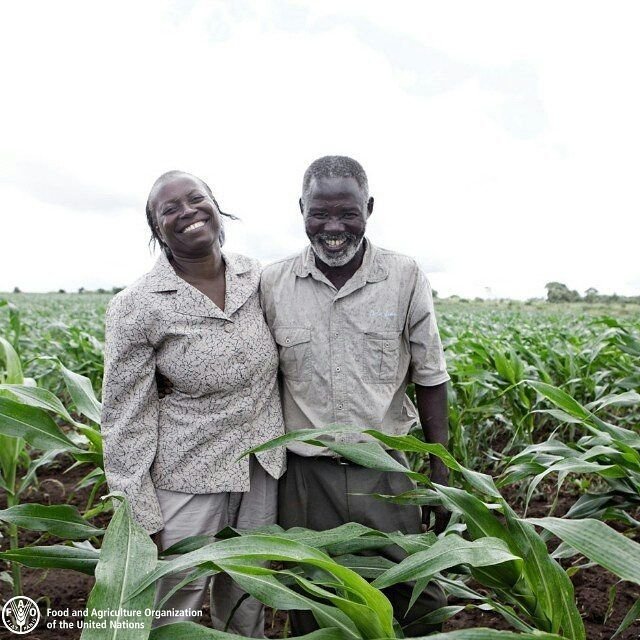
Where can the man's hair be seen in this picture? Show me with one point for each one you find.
(335, 167)
(155, 236)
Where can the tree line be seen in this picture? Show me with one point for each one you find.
(559, 292)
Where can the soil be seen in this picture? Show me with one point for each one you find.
(60, 589)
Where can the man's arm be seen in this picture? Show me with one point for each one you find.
(433, 412)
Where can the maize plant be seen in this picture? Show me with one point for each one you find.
(607, 451)
(29, 439)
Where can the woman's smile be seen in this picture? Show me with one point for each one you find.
(194, 226)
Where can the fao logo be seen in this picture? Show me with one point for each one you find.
(20, 615)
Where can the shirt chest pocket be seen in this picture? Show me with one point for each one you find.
(381, 356)
(294, 351)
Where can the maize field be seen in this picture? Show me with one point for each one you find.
(544, 457)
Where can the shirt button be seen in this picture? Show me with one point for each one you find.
(336, 334)
(287, 340)
(338, 369)
(340, 406)
(386, 344)
(228, 327)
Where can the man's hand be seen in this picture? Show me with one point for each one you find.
(441, 518)
(432, 409)
(439, 475)
(165, 386)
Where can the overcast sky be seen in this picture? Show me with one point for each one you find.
(501, 139)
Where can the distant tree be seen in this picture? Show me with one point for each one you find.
(101, 290)
(559, 292)
(16, 290)
(434, 293)
(81, 290)
(61, 291)
(116, 290)
(591, 295)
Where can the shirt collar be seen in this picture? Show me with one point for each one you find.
(163, 277)
(372, 269)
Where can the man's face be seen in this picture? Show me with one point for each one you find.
(335, 217)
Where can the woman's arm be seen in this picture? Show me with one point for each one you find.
(130, 412)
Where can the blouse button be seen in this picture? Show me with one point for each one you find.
(228, 327)
(287, 340)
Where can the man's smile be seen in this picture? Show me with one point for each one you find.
(335, 243)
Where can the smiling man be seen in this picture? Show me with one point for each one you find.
(355, 325)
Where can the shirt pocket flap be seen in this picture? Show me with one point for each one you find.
(389, 339)
(288, 336)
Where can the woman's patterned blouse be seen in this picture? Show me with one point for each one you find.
(223, 366)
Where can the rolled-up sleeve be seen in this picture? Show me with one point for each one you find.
(130, 413)
(428, 367)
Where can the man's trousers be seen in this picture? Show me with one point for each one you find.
(319, 493)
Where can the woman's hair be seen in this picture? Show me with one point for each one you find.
(151, 221)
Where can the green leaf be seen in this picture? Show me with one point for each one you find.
(43, 460)
(373, 456)
(364, 616)
(632, 615)
(599, 543)
(369, 567)
(32, 424)
(627, 399)
(450, 551)
(269, 590)
(188, 544)
(127, 554)
(12, 362)
(11, 449)
(55, 556)
(561, 399)
(193, 631)
(478, 518)
(203, 571)
(271, 547)
(82, 394)
(60, 520)
(572, 407)
(547, 580)
(301, 435)
(35, 397)
(479, 481)
(335, 536)
(411, 443)
(44, 399)
(92, 457)
(482, 633)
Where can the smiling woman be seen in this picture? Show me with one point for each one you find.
(195, 319)
(199, 194)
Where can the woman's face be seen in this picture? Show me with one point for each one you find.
(187, 218)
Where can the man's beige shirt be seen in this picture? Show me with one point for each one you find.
(346, 356)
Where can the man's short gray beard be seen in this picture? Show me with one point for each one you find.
(339, 260)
